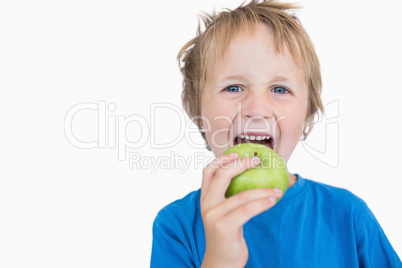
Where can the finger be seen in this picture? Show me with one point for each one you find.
(220, 182)
(242, 214)
(240, 199)
(222, 160)
(210, 170)
(244, 197)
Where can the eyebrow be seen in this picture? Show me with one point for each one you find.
(278, 78)
(233, 77)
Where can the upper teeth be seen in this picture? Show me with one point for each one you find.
(254, 137)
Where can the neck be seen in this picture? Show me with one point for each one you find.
(292, 180)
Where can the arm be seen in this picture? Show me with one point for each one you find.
(223, 218)
(373, 247)
(168, 246)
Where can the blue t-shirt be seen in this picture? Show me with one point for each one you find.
(313, 225)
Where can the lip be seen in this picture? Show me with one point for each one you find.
(270, 144)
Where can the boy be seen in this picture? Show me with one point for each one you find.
(253, 76)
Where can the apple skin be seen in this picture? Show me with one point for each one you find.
(270, 173)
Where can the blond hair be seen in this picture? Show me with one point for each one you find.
(219, 28)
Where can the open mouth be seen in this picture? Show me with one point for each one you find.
(264, 139)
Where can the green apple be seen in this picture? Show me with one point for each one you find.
(270, 173)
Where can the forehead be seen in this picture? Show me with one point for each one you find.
(255, 45)
(219, 41)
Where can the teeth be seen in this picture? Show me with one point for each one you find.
(258, 138)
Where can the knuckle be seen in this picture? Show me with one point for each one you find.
(242, 196)
(214, 163)
(246, 209)
(224, 160)
(208, 169)
(255, 206)
(220, 172)
(264, 202)
(268, 191)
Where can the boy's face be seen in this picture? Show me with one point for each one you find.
(254, 91)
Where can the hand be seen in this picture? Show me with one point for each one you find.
(224, 218)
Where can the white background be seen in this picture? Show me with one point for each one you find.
(64, 206)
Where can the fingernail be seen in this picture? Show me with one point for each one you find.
(233, 155)
(278, 190)
(271, 199)
(255, 159)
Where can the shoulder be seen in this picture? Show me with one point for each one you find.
(178, 234)
(183, 209)
(339, 203)
(336, 195)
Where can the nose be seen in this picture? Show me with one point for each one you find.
(257, 105)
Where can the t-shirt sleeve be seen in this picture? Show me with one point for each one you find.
(169, 247)
(373, 247)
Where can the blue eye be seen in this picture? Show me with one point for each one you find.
(280, 90)
(233, 89)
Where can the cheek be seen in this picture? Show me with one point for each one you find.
(218, 112)
(295, 114)
(290, 132)
(218, 115)
(291, 129)
(219, 123)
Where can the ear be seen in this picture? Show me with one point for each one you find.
(307, 126)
